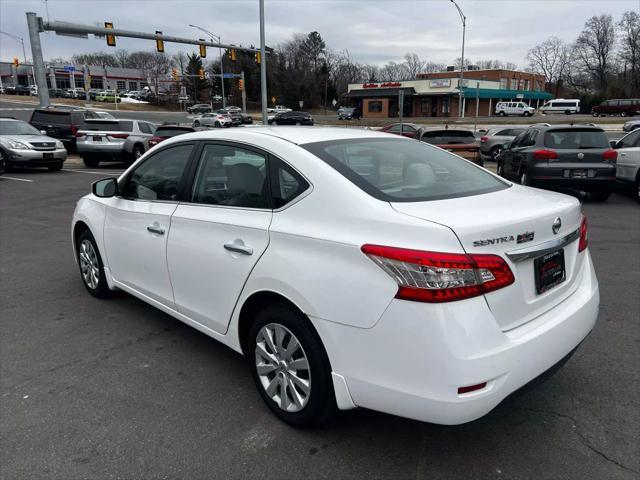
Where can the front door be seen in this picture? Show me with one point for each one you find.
(138, 223)
(217, 237)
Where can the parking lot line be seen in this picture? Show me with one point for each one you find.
(14, 178)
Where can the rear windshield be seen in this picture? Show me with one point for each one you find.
(51, 117)
(575, 138)
(109, 126)
(171, 131)
(448, 137)
(396, 170)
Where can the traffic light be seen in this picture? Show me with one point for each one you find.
(159, 42)
(232, 54)
(203, 50)
(111, 39)
(201, 73)
(174, 74)
(258, 57)
(240, 84)
(16, 62)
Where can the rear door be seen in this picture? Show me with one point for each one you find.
(218, 235)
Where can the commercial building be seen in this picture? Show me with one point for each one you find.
(72, 76)
(436, 94)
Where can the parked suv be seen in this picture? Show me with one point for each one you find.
(113, 140)
(199, 108)
(514, 108)
(628, 168)
(168, 131)
(61, 122)
(491, 143)
(22, 145)
(622, 107)
(215, 119)
(459, 141)
(565, 157)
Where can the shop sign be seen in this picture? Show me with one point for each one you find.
(382, 85)
(440, 83)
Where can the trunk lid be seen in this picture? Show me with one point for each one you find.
(492, 223)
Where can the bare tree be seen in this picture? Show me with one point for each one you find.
(549, 58)
(594, 48)
(431, 67)
(180, 61)
(413, 65)
(629, 32)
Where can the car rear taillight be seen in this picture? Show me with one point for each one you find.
(119, 135)
(435, 277)
(584, 240)
(610, 156)
(153, 141)
(74, 129)
(542, 155)
(484, 139)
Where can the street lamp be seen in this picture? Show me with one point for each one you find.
(213, 38)
(24, 54)
(464, 26)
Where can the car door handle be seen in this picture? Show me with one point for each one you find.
(156, 229)
(239, 248)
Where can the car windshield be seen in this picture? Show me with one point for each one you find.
(448, 137)
(575, 138)
(171, 131)
(17, 128)
(396, 170)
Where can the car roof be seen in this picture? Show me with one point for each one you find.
(569, 126)
(295, 134)
(450, 129)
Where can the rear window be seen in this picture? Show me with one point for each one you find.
(575, 138)
(109, 126)
(396, 170)
(51, 117)
(448, 137)
(171, 131)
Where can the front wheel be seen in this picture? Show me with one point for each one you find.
(290, 367)
(502, 114)
(495, 153)
(91, 266)
(196, 124)
(217, 124)
(623, 114)
(595, 114)
(138, 151)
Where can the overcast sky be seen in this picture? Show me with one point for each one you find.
(374, 31)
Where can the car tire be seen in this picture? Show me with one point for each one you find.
(567, 112)
(91, 266)
(600, 195)
(500, 169)
(90, 162)
(595, 114)
(623, 114)
(298, 123)
(217, 124)
(495, 152)
(502, 114)
(637, 188)
(4, 162)
(138, 151)
(196, 124)
(312, 401)
(55, 168)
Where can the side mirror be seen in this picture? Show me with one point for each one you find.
(613, 143)
(105, 188)
(43, 132)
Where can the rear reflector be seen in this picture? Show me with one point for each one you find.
(435, 277)
(584, 241)
(472, 388)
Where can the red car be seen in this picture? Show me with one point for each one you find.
(405, 129)
(459, 141)
(167, 131)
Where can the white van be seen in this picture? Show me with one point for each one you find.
(561, 105)
(514, 108)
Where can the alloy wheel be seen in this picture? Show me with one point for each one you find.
(89, 264)
(283, 367)
(495, 153)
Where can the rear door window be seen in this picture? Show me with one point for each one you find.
(286, 183)
(577, 138)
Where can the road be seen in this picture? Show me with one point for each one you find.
(116, 389)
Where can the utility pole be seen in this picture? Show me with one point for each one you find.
(263, 66)
(461, 81)
(38, 62)
(244, 93)
(475, 123)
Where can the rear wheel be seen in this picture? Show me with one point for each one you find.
(567, 112)
(502, 114)
(196, 124)
(600, 195)
(138, 151)
(55, 168)
(90, 162)
(623, 114)
(91, 266)
(290, 367)
(524, 179)
(495, 152)
(298, 123)
(595, 114)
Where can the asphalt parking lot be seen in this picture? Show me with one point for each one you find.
(117, 389)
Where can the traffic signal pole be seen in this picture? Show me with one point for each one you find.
(263, 66)
(38, 63)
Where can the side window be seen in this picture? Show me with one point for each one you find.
(159, 177)
(518, 140)
(503, 133)
(630, 140)
(286, 183)
(395, 128)
(408, 128)
(144, 128)
(529, 138)
(232, 176)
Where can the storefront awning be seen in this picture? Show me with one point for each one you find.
(470, 92)
(380, 92)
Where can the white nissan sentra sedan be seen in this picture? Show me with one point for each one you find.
(353, 268)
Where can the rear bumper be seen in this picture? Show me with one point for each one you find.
(117, 150)
(603, 177)
(35, 158)
(412, 362)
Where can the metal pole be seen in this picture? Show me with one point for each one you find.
(224, 100)
(38, 62)
(464, 26)
(243, 93)
(85, 77)
(263, 66)
(475, 123)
